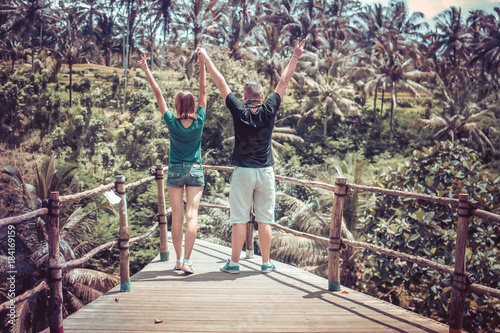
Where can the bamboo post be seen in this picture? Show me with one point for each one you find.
(124, 234)
(55, 271)
(162, 214)
(249, 240)
(335, 241)
(457, 298)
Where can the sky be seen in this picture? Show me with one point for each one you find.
(431, 8)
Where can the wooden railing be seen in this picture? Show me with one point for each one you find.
(341, 189)
(122, 243)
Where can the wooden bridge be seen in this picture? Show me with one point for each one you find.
(288, 300)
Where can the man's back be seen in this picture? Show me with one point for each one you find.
(253, 127)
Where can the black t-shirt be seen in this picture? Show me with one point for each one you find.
(252, 131)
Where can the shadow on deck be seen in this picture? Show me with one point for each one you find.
(288, 300)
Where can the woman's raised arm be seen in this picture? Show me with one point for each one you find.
(156, 89)
(202, 94)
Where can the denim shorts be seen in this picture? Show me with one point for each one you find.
(185, 174)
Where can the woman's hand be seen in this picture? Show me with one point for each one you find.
(143, 63)
(202, 54)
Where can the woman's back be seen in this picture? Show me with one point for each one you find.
(185, 137)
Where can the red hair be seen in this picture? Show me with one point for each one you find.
(184, 104)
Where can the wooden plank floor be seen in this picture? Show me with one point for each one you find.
(288, 300)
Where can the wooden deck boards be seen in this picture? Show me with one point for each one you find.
(288, 300)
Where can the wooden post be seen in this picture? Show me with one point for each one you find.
(335, 242)
(124, 234)
(457, 298)
(249, 240)
(55, 272)
(162, 215)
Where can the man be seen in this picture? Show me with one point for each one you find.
(253, 177)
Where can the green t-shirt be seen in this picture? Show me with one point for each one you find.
(185, 143)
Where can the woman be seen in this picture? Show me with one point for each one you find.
(184, 169)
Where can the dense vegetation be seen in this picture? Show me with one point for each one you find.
(378, 97)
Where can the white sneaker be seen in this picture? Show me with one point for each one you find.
(178, 265)
(187, 267)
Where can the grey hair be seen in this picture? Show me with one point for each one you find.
(253, 89)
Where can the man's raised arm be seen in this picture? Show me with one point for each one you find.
(287, 74)
(216, 76)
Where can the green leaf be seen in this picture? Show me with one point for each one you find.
(429, 181)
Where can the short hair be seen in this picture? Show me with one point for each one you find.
(253, 89)
(184, 104)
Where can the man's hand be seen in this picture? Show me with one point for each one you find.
(143, 63)
(299, 48)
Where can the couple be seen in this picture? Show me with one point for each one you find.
(252, 181)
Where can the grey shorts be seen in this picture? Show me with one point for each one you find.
(185, 174)
(252, 185)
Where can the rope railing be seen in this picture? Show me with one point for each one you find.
(461, 283)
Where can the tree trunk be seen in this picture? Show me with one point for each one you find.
(70, 65)
(125, 60)
(152, 55)
(163, 47)
(393, 101)
(382, 105)
(375, 105)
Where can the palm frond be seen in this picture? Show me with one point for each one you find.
(304, 218)
(31, 313)
(286, 137)
(73, 303)
(96, 280)
(301, 251)
(86, 293)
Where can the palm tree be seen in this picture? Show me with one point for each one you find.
(337, 29)
(264, 45)
(146, 33)
(164, 8)
(328, 96)
(404, 23)
(26, 15)
(105, 37)
(14, 48)
(397, 66)
(369, 24)
(463, 116)
(71, 46)
(487, 51)
(243, 20)
(202, 23)
(452, 37)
